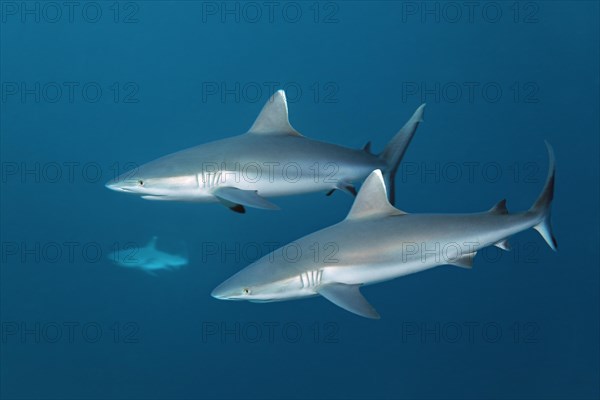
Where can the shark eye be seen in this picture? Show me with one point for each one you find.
(141, 182)
(246, 291)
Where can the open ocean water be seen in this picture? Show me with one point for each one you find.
(90, 89)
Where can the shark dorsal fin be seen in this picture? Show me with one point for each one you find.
(499, 208)
(273, 118)
(152, 243)
(372, 200)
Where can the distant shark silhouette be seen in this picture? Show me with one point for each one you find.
(378, 242)
(271, 159)
(147, 258)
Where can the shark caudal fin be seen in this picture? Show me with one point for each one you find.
(543, 204)
(394, 151)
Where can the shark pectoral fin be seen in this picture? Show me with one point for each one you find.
(349, 298)
(238, 208)
(503, 244)
(249, 198)
(464, 261)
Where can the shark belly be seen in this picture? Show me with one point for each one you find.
(369, 274)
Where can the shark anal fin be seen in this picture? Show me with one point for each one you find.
(464, 261)
(248, 198)
(499, 208)
(503, 244)
(349, 298)
(367, 147)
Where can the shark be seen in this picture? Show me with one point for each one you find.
(147, 258)
(378, 242)
(271, 159)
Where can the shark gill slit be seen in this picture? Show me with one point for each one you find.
(311, 279)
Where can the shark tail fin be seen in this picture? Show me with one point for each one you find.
(394, 151)
(542, 206)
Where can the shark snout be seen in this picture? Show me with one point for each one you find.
(124, 185)
(226, 291)
(219, 293)
(114, 185)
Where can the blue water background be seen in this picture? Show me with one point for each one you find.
(362, 68)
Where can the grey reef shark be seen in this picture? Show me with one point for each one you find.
(378, 242)
(271, 159)
(147, 258)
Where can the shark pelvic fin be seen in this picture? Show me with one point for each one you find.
(344, 187)
(503, 244)
(273, 118)
(372, 200)
(499, 208)
(464, 261)
(349, 298)
(233, 197)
